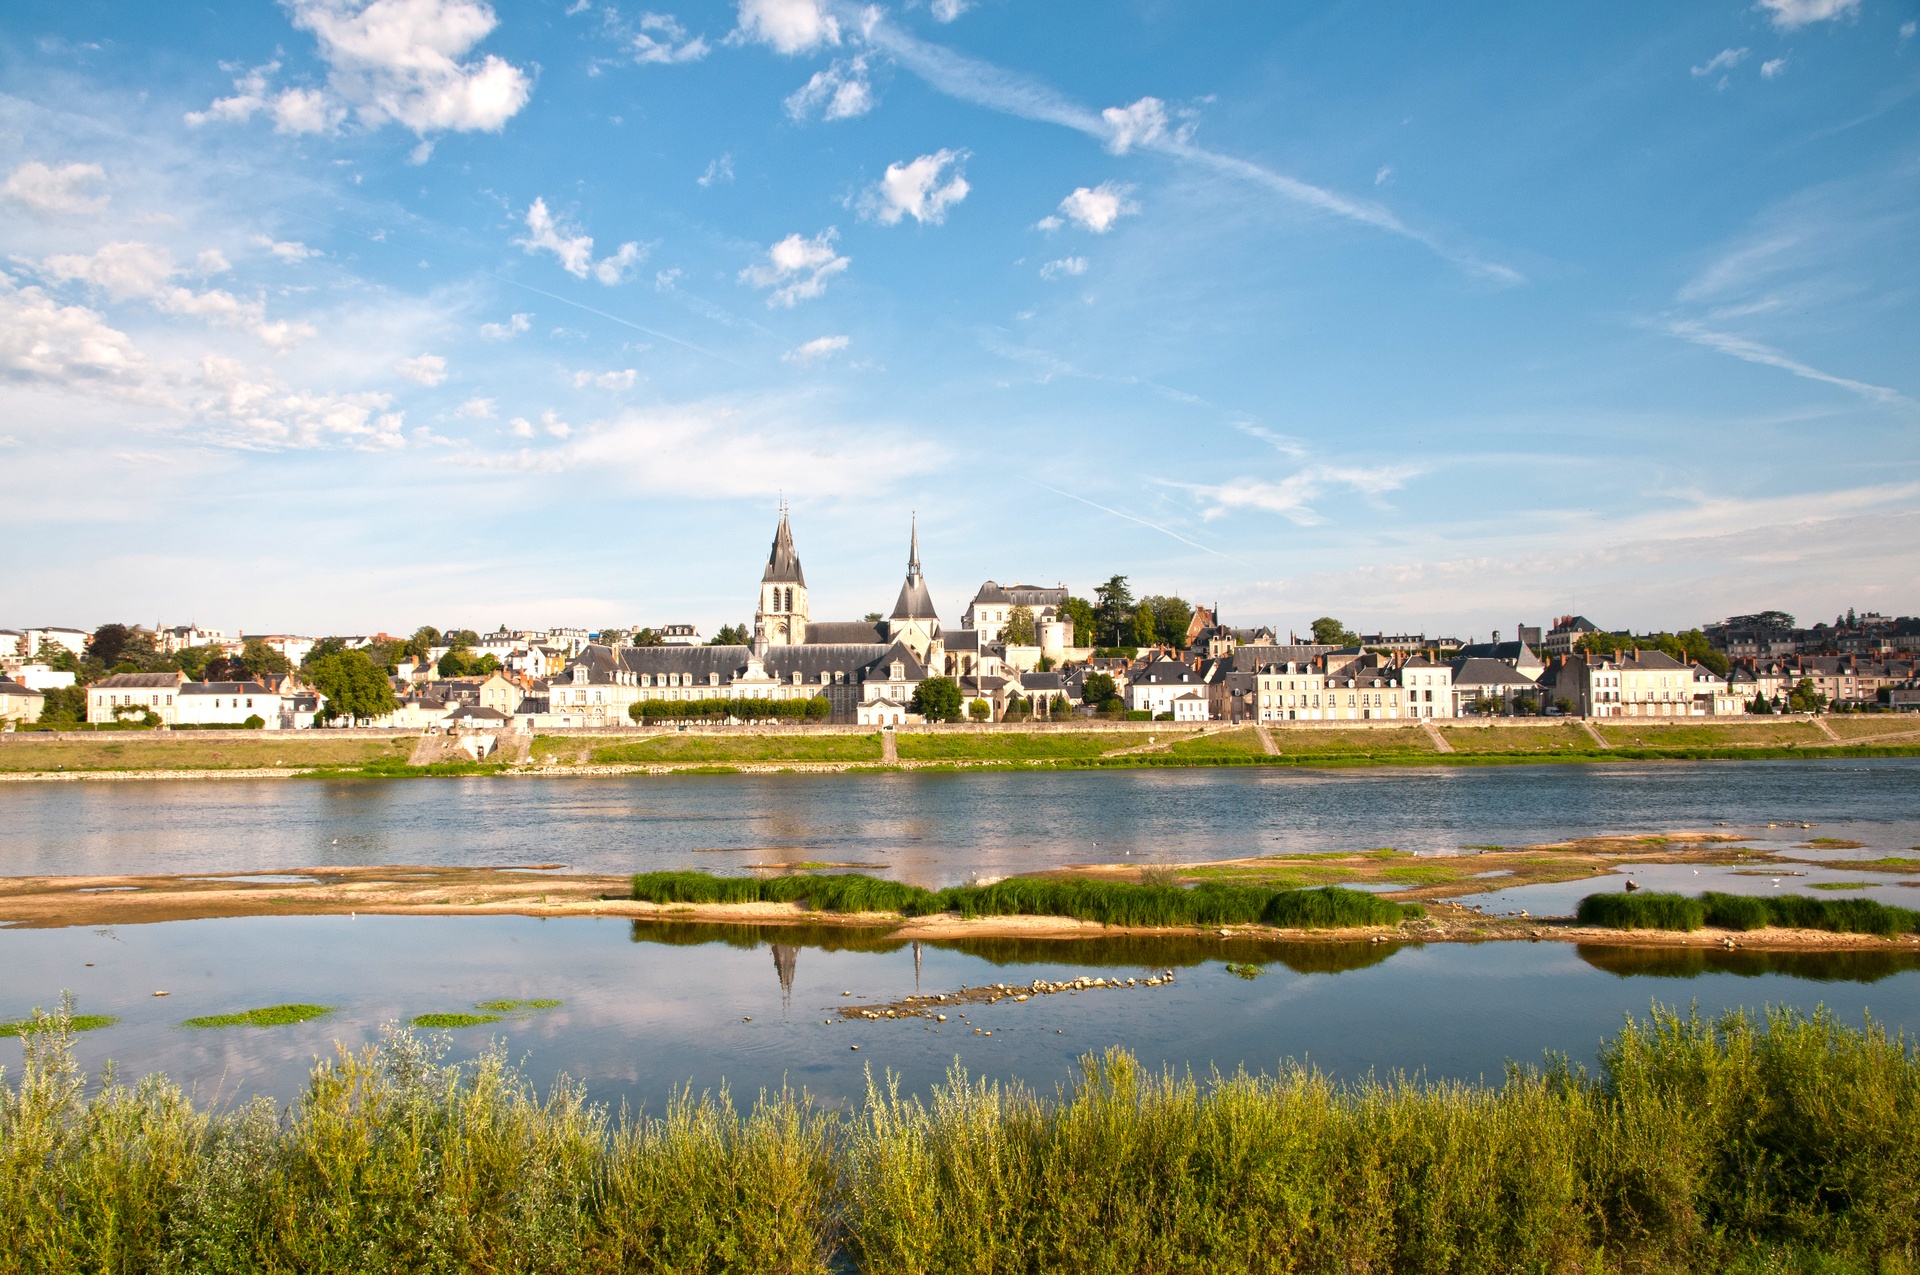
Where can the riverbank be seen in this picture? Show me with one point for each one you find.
(38, 757)
(393, 1161)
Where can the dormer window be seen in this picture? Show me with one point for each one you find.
(796, 677)
(899, 670)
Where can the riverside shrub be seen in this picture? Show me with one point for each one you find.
(1747, 912)
(393, 1162)
(1108, 902)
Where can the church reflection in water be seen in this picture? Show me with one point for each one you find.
(786, 959)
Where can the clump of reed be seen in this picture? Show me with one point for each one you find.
(1748, 1143)
(1108, 902)
(1746, 912)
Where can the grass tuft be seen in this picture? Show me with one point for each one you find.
(514, 1006)
(1108, 902)
(271, 1016)
(1642, 911)
(1747, 912)
(40, 1023)
(450, 1021)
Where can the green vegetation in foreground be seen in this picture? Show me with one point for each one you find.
(444, 1022)
(41, 1021)
(514, 1007)
(1108, 902)
(995, 746)
(391, 1162)
(1746, 912)
(271, 1016)
(1877, 865)
(1840, 885)
(673, 748)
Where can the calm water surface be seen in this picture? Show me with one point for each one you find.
(651, 1008)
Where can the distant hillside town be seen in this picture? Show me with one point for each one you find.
(1020, 652)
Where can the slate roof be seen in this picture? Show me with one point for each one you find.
(914, 603)
(1167, 672)
(1246, 659)
(1038, 682)
(1020, 595)
(10, 687)
(1497, 651)
(845, 633)
(783, 564)
(962, 640)
(1480, 671)
(137, 681)
(224, 688)
(1650, 662)
(993, 595)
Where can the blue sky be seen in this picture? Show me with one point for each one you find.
(329, 316)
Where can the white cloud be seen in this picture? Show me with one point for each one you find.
(285, 249)
(1790, 15)
(55, 192)
(665, 280)
(521, 427)
(1065, 266)
(818, 348)
(796, 268)
(428, 369)
(718, 171)
(948, 10)
(476, 409)
(547, 233)
(840, 92)
(789, 26)
(663, 40)
(511, 328)
(1384, 176)
(620, 380)
(1096, 209)
(915, 189)
(1290, 496)
(1907, 30)
(1772, 67)
(212, 261)
(1724, 60)
(44, 341)
(130, 271)
(388, 61)
(1142, 124)
(1754, 352)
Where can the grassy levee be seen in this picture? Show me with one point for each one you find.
(1546, 737)
(255, 751)
(1236, 744)
(391, 1162)
(741, 748)
(914, 746)
(1652, 732)
(1108, 902)
(1746, 912)
(1872, 725)
(1321, 741)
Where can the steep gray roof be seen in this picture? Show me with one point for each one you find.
(783, 564)
(1162, 672)
(914, 603)
(125, 681)
(962, 639)
(845, 632)
(1479, 671)
(1247, 659)
(993, 594)
(224, 688)
(1660, 662)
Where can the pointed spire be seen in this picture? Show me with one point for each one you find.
(913, 553)
(783, 563)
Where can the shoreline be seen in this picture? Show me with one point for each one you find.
(1157, 760)
(543, 890)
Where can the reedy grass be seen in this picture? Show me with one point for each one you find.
(1775, 1142)
(1108, 902)
(1746, 912)
(271, 1016)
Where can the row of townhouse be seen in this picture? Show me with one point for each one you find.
(280, 704)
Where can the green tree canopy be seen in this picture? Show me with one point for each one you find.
(938, 700)
(612, 637)
(1328, 631)
(322, 649)
(732, 635)
(354, 686)
(193, 660)
(1144, 632)
(110, 642)
(424, 639)
(64, 705)
(647, 637)
(1079, 613)
(1098, 689)
(1689, 647)
(1115, 607)
(261, 660)
(461, 639)
(1804, 699)
(1171, 616)
(979, 710)
(1019, 627)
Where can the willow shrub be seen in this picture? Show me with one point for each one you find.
(1749, 1144)
(1109, 902)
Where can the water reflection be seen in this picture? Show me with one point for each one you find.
(1149, 951)
(1847, 966)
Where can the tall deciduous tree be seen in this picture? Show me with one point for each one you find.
(261, 660)
(354, 686)
(1079, 613)
(938, 700)
(1019, 627)
(1328, 631)
(1115, 602)
(1098, 689)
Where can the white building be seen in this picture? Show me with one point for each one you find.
(1155, 688)
(1427, 687)
(993, 605)
(184, 637)
(681, 635)
(74, 640)
(130, 696)
(19, 703)
(293, 647)
(226, 704)
(40, 677)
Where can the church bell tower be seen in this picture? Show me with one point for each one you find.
(781, 617)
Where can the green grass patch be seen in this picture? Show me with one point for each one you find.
(261, 750)
(1248, 972)
(1747, 912)
(1545, 737)
(999, 746)
(1881, 865)
(1832, 843)
(1653, 733)
(1294, 741)
(1232, 743)
(271, 1016)
(504, 1006)
(1108, 902)
(47, 1023)
(450, 1021)
(740, 748)
(1840, 885)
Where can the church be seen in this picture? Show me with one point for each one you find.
(867, 671)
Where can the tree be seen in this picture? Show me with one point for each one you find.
(1328, 631)
(354, 687)
(1059, 707)
(1761, 706)
(424, 639)
(647, 637)
(109, 642)
(1115, 605)
(1488, 706)
(1019, 627)
(1098, 689)
(979, 710)
(261, 660)
(193, 660)
(1526, 704)
(613, 637)
(1171, 617)
(873, 617)
(64, 705)
(1045, 665)
(938, 699)
(732, 635)
(328, 646)
(1078, 613)
(1804, 699)
(1143, 628)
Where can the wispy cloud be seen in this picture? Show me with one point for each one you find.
(1724, 60)
(574, 249)
(818, 348)
(797, 268)
(1135, 518)
(1291, 497)
(922, 188)
(1142, 125)
(1790, 15)
(1754, 352)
